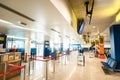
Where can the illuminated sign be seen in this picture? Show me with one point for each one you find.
(1, 38)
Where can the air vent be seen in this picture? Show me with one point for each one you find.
(55, 30)
(23, 23)
(16, 12)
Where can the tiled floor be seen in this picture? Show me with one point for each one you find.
(69, 70)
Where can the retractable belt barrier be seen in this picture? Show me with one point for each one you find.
(12, 71)
(60, 56)
(18, 68)
(39, 59)
(45, 57)
(37, 56)
(45, 60)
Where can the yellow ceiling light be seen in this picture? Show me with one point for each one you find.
(118, 17)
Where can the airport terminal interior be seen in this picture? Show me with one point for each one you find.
(59, 39)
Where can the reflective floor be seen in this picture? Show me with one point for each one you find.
(66, 68)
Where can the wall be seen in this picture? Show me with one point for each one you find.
(115, 43)
(65, 9)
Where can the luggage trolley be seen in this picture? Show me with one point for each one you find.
(81, 59)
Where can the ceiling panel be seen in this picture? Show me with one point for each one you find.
(104, 12)
(44, 13)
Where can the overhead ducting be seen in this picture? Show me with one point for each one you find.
(16, 12)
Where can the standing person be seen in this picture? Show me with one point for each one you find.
(14, 49)
(47, 52)
(81, 50)
(90, 49)
(68, 52)
(54, 53)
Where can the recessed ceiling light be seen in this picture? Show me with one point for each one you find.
(80, 36)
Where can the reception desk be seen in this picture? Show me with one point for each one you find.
(13, 58)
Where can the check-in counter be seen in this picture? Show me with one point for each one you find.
(13, 58)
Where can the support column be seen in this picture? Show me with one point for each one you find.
(115, 43)
(27, 47)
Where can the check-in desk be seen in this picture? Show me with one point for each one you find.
(13, 58)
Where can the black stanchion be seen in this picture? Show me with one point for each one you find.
(53, 65)
(46, 70)
(29, 67)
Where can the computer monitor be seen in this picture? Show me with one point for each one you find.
(80, 25)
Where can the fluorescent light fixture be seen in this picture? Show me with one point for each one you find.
(21, 27)
(16, 37)
(24, 28)
(6, 22)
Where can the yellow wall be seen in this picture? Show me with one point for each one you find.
(118, 17)
(74, 21)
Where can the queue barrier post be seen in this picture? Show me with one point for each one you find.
(46, 69)
(65, 59)
(59, 59)
(25, 57)
(53, 65)
(33, 63)
(5, 69)
(24, 72)
(46, 66)
(29, 67)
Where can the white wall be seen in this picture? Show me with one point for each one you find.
(63, 8)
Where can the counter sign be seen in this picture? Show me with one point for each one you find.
(1, 38)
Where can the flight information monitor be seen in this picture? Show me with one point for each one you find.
(81, 25)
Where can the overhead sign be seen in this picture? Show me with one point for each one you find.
(1, 38)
